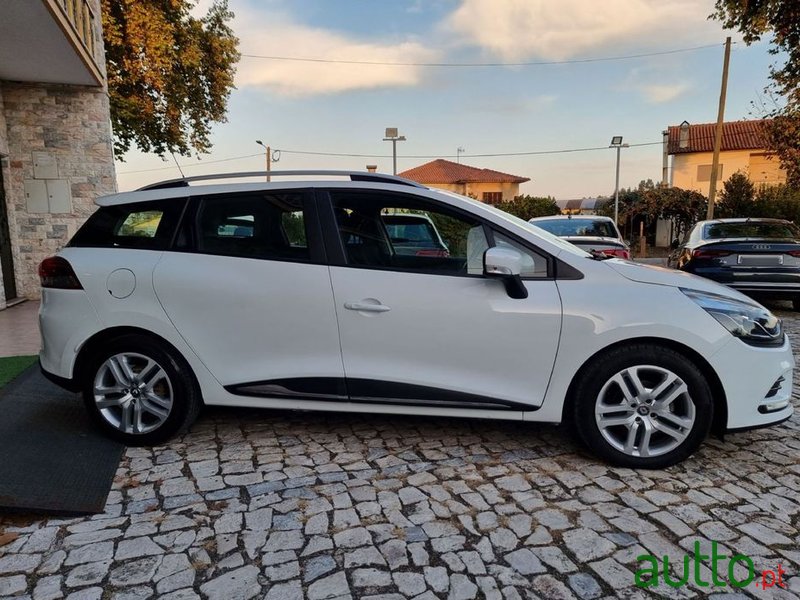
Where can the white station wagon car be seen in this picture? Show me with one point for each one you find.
(291, 296)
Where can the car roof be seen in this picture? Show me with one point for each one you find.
(179, 188)
(571, 218)
(743, 220)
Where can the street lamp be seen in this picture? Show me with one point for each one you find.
(616, 142)
(391, 136)
(271, 157)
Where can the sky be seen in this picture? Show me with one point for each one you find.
(306, 107)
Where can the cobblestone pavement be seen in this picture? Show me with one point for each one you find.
(286, 506)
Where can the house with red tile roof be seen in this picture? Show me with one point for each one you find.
(743, 148)
(487, 185)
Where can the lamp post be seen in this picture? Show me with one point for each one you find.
(391, 136)
(459, 152)
(270, 157)
(616, 142)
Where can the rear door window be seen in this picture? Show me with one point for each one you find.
(267, 226)
(143, 225)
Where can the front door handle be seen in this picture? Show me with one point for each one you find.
(367, 306)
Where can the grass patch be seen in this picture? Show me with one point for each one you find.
(12, 366)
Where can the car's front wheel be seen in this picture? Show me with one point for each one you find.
(140, 392)
(642, 406)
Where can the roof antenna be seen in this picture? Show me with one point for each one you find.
(177, 164)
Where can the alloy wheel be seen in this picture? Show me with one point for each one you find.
(133, 393)
(645, 411)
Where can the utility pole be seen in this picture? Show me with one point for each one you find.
(712, 188)
(269, 157)
(459, 152)
(391, 136)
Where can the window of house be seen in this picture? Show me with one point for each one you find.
(492, 197)
(253, 226)
(408, 234)
(704, 173)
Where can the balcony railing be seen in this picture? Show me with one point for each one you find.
(82, 19)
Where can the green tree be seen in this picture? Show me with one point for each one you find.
(779, 21)
(783, 136)
(737, 198)
(170, 74)
(779, 202)
(683, 207)
(527, 207)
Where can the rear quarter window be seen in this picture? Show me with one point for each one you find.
(144, 225)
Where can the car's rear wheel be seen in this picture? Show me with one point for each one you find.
(140, 392)
(796, 303)
(642, 406)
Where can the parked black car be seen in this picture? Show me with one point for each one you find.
(758, 257)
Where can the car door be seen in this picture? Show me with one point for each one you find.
(248, 288)
(431, 330)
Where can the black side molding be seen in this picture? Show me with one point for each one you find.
(371, 391)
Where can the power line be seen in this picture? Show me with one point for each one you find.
(414, 156)
(206, 162)
(480, 64)
(485, 155)
(354, 155)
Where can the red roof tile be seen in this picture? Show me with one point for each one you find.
(445, 171)
(736, 135)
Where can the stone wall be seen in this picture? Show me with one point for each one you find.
(3, 168)
(72, 124)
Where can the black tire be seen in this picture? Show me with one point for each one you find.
(598, 377)
(796, 303)
(186, 400)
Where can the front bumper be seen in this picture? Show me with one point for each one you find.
(757, 383)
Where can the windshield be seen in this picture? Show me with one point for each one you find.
(540, 233)
(751, 229)
(578, 227)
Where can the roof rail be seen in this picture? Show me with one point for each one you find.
(353, 175)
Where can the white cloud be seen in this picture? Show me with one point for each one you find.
(271, 35)
(658, 93)
(518, 29)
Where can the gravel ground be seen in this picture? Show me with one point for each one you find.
(283, 506)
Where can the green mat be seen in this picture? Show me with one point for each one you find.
(12, 366)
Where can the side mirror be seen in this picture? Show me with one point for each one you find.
(502, 262)
(505, 264)
(674, 245)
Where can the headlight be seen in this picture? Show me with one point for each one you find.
(752, 323)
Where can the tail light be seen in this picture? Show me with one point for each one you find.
(618, 252)
(710, 253)
(795, 253)
(55, 272)
(438, 253)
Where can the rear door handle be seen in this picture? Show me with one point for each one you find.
(367, 307)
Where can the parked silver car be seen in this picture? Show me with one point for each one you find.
(588, 232)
